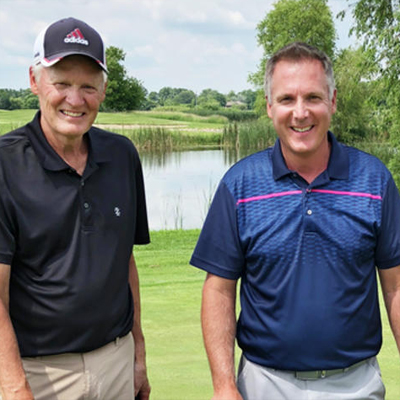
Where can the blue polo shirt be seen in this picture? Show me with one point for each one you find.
(306, 255)
(68, 239)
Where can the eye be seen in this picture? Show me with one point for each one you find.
(89, 89)
(61, 85)
(285, 100)
(314, 97)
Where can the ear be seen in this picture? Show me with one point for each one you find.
(333, 102)
(269, 106)
(103, 96)
(33, 82)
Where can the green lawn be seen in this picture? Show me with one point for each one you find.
(173, 120)
(10, 120)
(171, 294)
(162, 118)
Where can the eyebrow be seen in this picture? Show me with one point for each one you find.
(284, 95)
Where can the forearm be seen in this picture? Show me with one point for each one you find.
(219, 329)
(142, 387)
(140, 353)
(390, 282)
(392, 301)
(13, 382)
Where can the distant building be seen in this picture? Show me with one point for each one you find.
(236, 104)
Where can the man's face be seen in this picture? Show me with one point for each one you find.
(70, 94)
(300, 107)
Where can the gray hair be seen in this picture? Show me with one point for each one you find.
(298, 51)
(37, 70)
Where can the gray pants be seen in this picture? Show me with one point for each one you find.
(259, 383)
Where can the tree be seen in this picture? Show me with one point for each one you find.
(248, 97)
(166, 93)
(308, 21)
(377, 24)
(123, 92)
(354, 114)
(184, 97)
(5, 95)
(212, 99)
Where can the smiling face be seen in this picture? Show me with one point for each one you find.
(70, 94)
(301, 109)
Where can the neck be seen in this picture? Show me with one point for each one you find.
(74, 152)
(309, 166)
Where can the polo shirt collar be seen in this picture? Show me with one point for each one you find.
(338, 166)
(48, 157)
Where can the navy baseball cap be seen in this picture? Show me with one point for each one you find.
(66, 37)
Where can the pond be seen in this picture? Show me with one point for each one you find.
(180, 186)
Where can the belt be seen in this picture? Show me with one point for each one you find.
(314, 375)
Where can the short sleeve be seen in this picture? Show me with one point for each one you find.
(7, 229)
(218, 249)
(388, 245)
(142, 228)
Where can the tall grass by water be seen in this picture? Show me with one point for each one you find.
(256, 135)
(163, 139)
(164, 131)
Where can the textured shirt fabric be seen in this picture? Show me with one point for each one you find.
(306, 255)
(68, 239)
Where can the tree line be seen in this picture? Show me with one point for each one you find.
(367, 74)
(125, 93)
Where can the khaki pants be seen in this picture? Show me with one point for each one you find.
(102, 374)
(259, 383)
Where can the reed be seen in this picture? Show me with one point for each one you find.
(163, 139)
(253, 135)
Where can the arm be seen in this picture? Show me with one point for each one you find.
(13, 383)
(390, 282)
(218, 319)
(142, 387)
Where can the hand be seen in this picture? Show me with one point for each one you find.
(227, 394)
(142, 386)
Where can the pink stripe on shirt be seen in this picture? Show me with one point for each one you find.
(335, 192)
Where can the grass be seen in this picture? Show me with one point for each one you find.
(162, 118)
(149, 130)
(10, 120)
(257, 135)
(171, 295)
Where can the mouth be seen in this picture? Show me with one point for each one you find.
(302, 130)
(72, 114)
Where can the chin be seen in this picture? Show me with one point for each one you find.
(74, 130)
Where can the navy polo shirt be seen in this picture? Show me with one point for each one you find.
(306, 255)
(68, 239)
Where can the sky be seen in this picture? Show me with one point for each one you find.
(177, 43)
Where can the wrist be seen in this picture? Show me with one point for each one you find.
(22, 393)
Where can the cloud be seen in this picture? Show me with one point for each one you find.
(236, 18)
(177, 43)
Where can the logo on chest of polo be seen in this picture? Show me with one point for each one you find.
(117, 211)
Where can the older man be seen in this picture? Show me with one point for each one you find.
(303, 224)
(72, 206)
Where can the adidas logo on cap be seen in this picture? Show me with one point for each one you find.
(76, 37)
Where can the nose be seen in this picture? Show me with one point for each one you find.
(300, 110)
(74, 97)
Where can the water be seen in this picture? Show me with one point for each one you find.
(180, 186)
